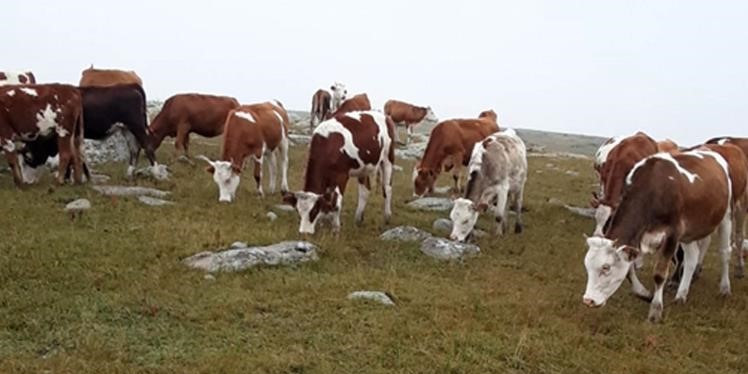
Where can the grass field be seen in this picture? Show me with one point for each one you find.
(108, 294)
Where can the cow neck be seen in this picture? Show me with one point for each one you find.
(316, 171)
(631, 219)
(431, 160)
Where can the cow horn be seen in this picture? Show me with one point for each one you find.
(202, 157)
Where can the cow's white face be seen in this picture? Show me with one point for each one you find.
(30, 175)
(226, 177)
(430, 116)
(339, 92)
(464, 215)
(160, 171)
(311, 207)
(607, 267)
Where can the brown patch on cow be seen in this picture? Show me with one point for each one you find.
(668, 146)
(404, 113)
(619, 163)
(92, 77)
(356, 103)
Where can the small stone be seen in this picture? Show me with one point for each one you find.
(236, 245)
(209, 277)
(442, 225)
(442, 190)
(300, 139)
(397, 168)
(152, 201)
(572, 173)
(78, 205)
(443, 249)
(271, 216)
(440, 204)
(284, 208)
(100, 178)
(376, 296)
(405, 234)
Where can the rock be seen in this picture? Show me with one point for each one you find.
(442, 190)
(236, 245)
(442, 225)
(209, 277)
(152, 201)
(111, 149)
(300, 139)
(130, 191)
(443, 249)
(158, 172)
(271, 216)
(284, 208)
(99, 178)
(397, 168)
(413, 151)
(238, 259)
(78, 206)
(376, 296)
(405, 234)
(560, 155)
(439, 204)
(572, 173)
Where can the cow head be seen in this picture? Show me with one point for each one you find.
(489, 114)
(607, 265)
(339, 94)
(430, 116)
(423, 181)
(311, 206)
(226, 176)
(464, 215)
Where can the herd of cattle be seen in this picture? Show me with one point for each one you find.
(655, 198)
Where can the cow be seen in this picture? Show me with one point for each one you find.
(497, 174)
(668, 146)
(357, 103)
(30, 113)
(183, 114)
(449, 148)
(92, 77)
(251, 131)
(409, 115)
(321, 102)
(355, 144)
(16, 77)
(667, 200)
(339, 94)
(613, 161)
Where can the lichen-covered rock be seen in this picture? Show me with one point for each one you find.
(112, 149)
(152, 201)
(130, 191)
(443, 249)
(444, 226)
(439, 204)
(376, 296)
(271, 216)
(78, 205)
(238, 259)
(413, 151)
(405, 234)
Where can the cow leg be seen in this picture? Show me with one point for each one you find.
(725, 249)
(363, 197)
(703, 247)
(502, 195)
(272, 167)
(182, 138)
(662, 265)
(134, 149)
(518, 201)
(258, 175)
(456, 173)
(15, 168)
(690, 259)
(738, 236)
(64, 145)
(283, 149)
(386, 181)
(637, 287)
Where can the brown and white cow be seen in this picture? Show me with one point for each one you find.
(358, 103)
(92, 77)
(409, 115)
(449, 148)
(355, 144)
(497, 175)
(29, 113)
(183, 114)
(252, 131)
(321, 102)
(613, 161)
(16, 77)
(668, 199)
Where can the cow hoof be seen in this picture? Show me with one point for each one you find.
(725, 291)
(518, 228)
(739, 272)
(680, 300)
(655, 313)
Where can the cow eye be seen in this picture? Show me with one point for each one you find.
(465, 222)
(606, 268)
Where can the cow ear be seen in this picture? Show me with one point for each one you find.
(628, 253)
(482, 207)
(329, 200)
(290, 198)
(210, 169)
(236, 168)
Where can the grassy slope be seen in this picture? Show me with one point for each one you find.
(108, 294)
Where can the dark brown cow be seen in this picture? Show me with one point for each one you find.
(409, 115)
(183, 114)
(613, 161)
(356, 103)
(668, 199)
(251, 131)
(16, 77)
(355, 144)
(92, 77)
(321, 102)
(449, 148)
(31, 112)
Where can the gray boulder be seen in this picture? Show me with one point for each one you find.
(271, 216)
(79, 205)
(376, 296)
(444, 225)
(439, 204)
(443, 249)
(238, 259)
(413, 151)
(152, 201)
(111, 149)
(130, 191)
(405, 234)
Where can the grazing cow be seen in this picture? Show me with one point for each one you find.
(321, 102)
(354, 144)
(183, 114)
(668, 146)
(339, 94)
(497, 175)
(409, 115)
(449, 148)
(31, 113)
(358, 103)
(16, 77)
(668, 199)
(252, 131)
(108, 77)
(613, 161)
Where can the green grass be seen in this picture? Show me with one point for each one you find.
(108, 294)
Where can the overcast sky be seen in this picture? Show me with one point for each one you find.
(674, 69)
